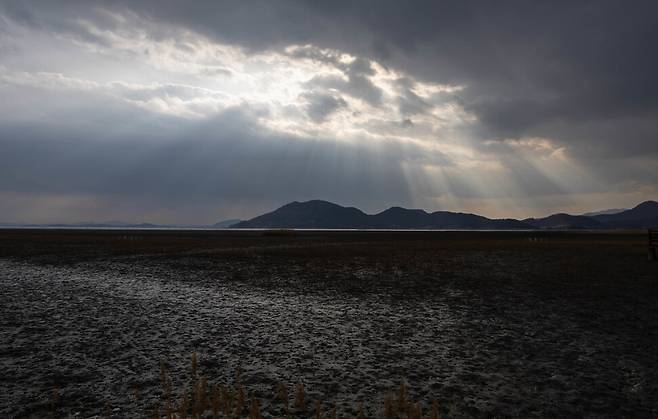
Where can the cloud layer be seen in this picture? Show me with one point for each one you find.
(163, 112)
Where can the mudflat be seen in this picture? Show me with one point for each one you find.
(489, 324)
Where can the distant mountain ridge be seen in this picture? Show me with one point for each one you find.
(644, 215)
(318, 214)
(323, 214)
(565, 221)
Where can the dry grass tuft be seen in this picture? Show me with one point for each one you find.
(254, 409)
(414, 411)
(282, 396)
(389, 407)
(434, 411)
(299, 397)
(54, 401)
(200, 399)
(403, 394)
(108, 410)
(361, 414)
(318, 410)
(136, 392)
(216, 401)
(184, 406)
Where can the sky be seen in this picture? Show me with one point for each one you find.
(191, 112)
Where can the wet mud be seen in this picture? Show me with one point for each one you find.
(488, 324)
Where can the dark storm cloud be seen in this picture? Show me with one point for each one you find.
(526, 64)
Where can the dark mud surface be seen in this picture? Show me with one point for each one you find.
(489, 324)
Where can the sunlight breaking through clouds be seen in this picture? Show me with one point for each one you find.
(300, 89)
(94, 74)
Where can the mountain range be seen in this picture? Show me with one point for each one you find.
(319, 214)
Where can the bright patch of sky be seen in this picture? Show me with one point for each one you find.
(294, 91)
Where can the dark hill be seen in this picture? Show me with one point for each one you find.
(323, 214)
(310, 214)
(460, 220)
(644, 215)
(397, 217)
(565, 221)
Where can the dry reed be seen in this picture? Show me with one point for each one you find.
(299, 397)
(200, 399)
